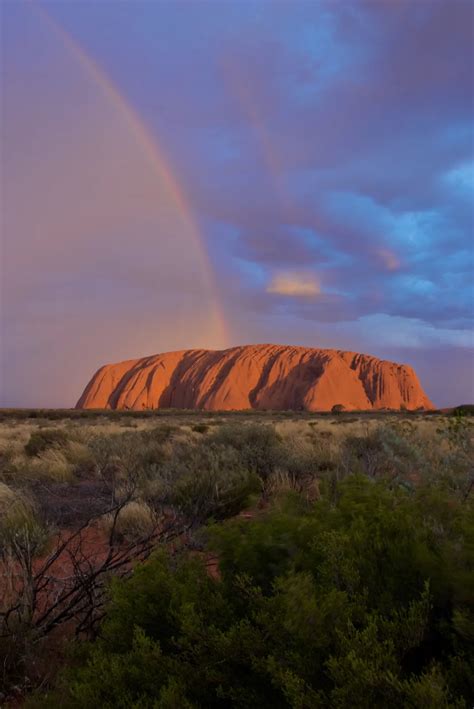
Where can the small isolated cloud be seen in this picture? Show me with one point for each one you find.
(294, 284)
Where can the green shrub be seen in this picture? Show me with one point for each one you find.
(385, 452)
(259, 446)
(45, 439)
(131, 454)
(205, 480)
(365, 600)
(304, 459)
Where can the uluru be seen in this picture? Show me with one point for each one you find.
(263, 377)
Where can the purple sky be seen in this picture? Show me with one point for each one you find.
(182, 174)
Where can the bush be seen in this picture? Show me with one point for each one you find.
(42, 440)
(205, 480)
(259, 446)
(305, 458)
(365, 599)
(130, 455)
(385, 452)
(464, 410)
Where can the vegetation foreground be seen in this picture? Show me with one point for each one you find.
(178, 561)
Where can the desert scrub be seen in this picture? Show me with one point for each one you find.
(305, 455)
(7, 464)
(45, 439)
(282, 482)
(259, 446)
(22, 472)
(458, 435)
(162, 433)
(345, 604)
(22, 540)
(383, 452)
(17, 517)
(203, 479)
(135, 520)
(57, 454)
(7, 500)
(136, 454)
(214, 494)
(50, 465)
(80, 457)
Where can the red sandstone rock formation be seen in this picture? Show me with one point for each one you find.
(274, 377)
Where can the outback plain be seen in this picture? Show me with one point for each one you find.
(236, 354)
(188, 559)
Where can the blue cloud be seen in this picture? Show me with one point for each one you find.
(461, 179)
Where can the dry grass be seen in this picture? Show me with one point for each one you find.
(16, 512)
(313, 444)
(50, 465)
(134, 521)
(60, 464)
(7, 496)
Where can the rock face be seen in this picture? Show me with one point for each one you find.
(274, 377)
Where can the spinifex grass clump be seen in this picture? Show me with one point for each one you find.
(45, 439)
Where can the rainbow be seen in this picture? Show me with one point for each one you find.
(153, 153)
(239, 89)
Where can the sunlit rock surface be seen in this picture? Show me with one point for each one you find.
(276, 377)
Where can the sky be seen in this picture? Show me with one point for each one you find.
(214, 173)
